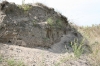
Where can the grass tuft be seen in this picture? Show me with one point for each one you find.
(12, 62)
(77, 48)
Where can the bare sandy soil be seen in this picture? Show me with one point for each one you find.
(40, 57)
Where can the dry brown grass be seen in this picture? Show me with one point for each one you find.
(93, 36)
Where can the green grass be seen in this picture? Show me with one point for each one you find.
(77, 48)
(26, 7)
(1, 59)
(50, 21)
(57, 23)
(12, 62)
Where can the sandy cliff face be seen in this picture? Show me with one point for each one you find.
(35, 25)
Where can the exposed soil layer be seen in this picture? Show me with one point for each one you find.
(33, 25)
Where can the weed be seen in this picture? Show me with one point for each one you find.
(1, 59)
(24, 6)
(54, 23)
(59, 23)
(50, 21)
(77, 48)
(57, 64)
(12, 62)
(20, 63)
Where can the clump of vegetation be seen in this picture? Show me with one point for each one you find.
(12, 62)
(1, 59)
(24, 6)
(50, 21)
(54, 23)
(77, 48)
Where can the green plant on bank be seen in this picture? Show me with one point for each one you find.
(1, 59)
(59, 23)
(26, 7)
(77, 48)
(50, 21)
(12, 62)
(54, 23)
(20, 63)
(45, 38)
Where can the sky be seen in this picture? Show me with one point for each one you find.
(79, 12)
